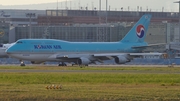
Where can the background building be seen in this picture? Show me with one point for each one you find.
(78, 32)
(10, 19)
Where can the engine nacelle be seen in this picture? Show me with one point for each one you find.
(36, 62)
(83, 61)
(121, 59)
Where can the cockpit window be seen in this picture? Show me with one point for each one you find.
(1, 45)
(19, 42)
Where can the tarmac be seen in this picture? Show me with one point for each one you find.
(87, 71)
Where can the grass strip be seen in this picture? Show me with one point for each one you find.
(90, 86)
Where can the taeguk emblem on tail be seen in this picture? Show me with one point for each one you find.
(140, 31)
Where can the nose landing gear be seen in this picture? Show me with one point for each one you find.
(22, 63)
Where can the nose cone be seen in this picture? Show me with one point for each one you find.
(9, 50)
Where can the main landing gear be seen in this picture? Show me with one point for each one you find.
(62, 64)
(79, 65)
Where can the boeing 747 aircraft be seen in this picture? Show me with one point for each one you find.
(84, 53)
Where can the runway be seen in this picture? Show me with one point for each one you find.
(87, 71)
(49, 68)
(109, 65)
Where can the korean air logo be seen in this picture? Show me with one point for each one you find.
(38, 46)
(140, 31)
(47, 47)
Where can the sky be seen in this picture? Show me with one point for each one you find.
(153, 5)
(22, 2)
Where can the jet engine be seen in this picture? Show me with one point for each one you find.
(37, 62)
(83, 61)
(121, 59)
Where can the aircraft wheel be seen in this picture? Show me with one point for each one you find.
(23, 64)
(60, 65)
(63, 64)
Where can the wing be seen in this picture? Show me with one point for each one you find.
(119, 58)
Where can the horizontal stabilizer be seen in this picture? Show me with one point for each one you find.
(142, 54)
(150, 45)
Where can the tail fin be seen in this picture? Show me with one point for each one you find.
(138, 31)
